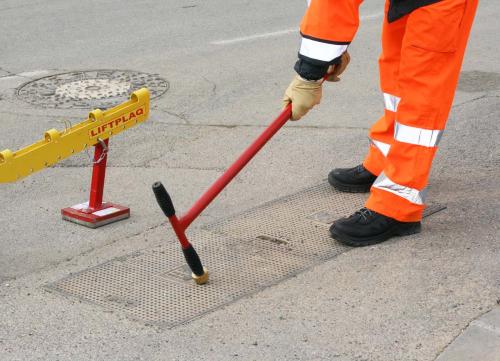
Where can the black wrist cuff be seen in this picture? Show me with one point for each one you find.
(312, 69)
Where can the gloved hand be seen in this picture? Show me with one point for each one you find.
(303, 94)
(335, 70)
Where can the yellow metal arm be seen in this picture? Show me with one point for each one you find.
(57, 145)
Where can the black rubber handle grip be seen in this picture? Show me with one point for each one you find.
(193, 261)
(163, 199)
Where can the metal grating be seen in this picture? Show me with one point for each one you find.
(244, 254)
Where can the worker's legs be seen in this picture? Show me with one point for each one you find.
(382, 132)
(361, 178)
(432, 51)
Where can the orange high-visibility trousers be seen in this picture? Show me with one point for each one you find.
(420, 63)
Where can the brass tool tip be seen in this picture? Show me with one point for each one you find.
(200, 280)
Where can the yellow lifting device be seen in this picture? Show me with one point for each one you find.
(59, 145)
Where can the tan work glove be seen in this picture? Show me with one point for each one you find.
(335, 70)
(303, 94)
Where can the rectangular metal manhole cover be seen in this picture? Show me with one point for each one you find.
(244, 254)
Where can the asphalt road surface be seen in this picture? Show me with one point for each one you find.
(227, 65)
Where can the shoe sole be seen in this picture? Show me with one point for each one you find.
(400, 230)
(349, 188)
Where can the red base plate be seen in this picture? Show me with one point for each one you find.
(108, 213)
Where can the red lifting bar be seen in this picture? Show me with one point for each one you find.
(180, 225)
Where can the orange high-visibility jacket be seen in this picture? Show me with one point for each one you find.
(329, 26)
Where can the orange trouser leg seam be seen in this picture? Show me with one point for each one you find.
(374, 161)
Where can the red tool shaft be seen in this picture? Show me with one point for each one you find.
(180, 225)
(234, 169)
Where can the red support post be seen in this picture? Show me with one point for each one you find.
(98, 176)
(95, 212)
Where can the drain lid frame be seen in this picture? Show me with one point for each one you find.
(89, 89)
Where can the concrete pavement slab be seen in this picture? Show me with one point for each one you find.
(479, 341)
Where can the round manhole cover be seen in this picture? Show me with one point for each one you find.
(90, 89)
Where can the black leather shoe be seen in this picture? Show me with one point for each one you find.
(366, 227)
(353, 180)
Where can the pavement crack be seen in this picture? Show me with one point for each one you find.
(232, 126)
(180, 116)
(9, 73)
(214, 85)
(216, 169)
(484, 96)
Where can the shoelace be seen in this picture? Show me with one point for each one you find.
(365, 213)
(360, 168)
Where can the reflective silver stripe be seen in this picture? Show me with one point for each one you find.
(321, 51)
(417, 136)
(391, 102)
(383, 147)
(410, 194)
